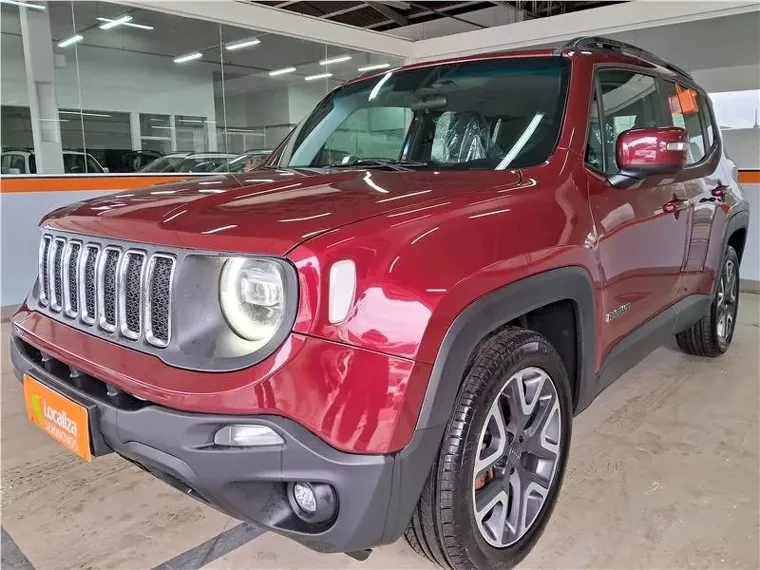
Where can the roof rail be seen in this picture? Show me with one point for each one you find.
(600, 42)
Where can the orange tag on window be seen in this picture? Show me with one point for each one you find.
(688, 100)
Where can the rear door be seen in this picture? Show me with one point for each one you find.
(641, 247)
(703, 182)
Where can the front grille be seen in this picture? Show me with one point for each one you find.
(101, 286)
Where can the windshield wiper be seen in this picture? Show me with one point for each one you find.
(405, 165)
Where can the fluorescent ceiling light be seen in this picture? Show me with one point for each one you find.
(188, 57)
(23, 4)
(243, 44)
(282, 71)
(320, 76)
(130, 24)
(117, 22)
(335, 60)
(376, 66)
(69, 41)
(82, 113)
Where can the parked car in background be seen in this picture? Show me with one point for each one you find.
(166, 163)
(130, 160)
(389, 331)
(244, 162)
(74, 162)
(190, 162)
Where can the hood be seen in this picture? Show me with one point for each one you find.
(267, 211)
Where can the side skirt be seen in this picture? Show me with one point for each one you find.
(649, 336)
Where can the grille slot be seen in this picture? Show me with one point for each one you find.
(158, 312)
(87, 283)
(71, 278)
(131, 276)
(128, 294)
(43, 269)
(55, 273)
(107, 281)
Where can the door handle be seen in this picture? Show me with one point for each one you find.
(719, 191)
(674, 206)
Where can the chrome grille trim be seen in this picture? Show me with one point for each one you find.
(55, 273)
(113, 289)
(42, 269)
(152, 334)
(71, 290)
(127, 294)
(108, 293)
(87, 276)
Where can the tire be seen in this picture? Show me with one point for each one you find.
(444, 527)
(709, 335)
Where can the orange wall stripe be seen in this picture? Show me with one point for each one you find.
(749, 176)
(82, 183)
(115, 183)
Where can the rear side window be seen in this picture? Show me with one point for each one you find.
(629, 100)
(683, 105)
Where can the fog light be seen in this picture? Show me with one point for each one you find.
(305, 498)
(313, 502)
(247, 436)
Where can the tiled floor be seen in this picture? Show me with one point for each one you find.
(663, 473)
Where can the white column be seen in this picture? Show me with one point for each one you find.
(134, 127)
(40, 84)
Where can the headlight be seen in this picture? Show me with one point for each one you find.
(252, 297)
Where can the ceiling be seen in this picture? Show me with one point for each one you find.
(386, 15)
(172, 36)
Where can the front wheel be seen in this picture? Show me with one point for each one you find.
(712, 334)
(491, 492)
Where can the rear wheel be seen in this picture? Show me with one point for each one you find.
(712, 334)
(494, 485)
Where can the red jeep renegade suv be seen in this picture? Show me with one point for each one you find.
(388, 328)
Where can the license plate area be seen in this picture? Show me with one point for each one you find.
(63, 419)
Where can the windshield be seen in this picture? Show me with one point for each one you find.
(492, 114)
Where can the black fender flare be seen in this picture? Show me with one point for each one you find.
(493, 311)
(468, 329)
(737, 221)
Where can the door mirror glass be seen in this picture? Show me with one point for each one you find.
(649, 151)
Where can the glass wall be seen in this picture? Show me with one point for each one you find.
(119, 89)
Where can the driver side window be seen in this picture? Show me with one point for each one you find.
(629, 100)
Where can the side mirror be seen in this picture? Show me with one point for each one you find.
(649, 152)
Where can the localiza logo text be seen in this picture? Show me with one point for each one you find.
(60, 418)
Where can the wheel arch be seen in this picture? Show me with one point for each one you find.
(737, 227)
(493, 311)
(472, 325)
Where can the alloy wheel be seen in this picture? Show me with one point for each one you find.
(728, 295)
(518, 455)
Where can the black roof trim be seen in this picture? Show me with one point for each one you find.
(600, 42)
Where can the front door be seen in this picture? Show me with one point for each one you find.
(641, 232)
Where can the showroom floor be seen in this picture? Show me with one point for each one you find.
(663, 473)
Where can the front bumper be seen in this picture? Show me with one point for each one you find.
(376, 493)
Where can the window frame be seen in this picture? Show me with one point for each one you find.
(658, 77)
(597, 68)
